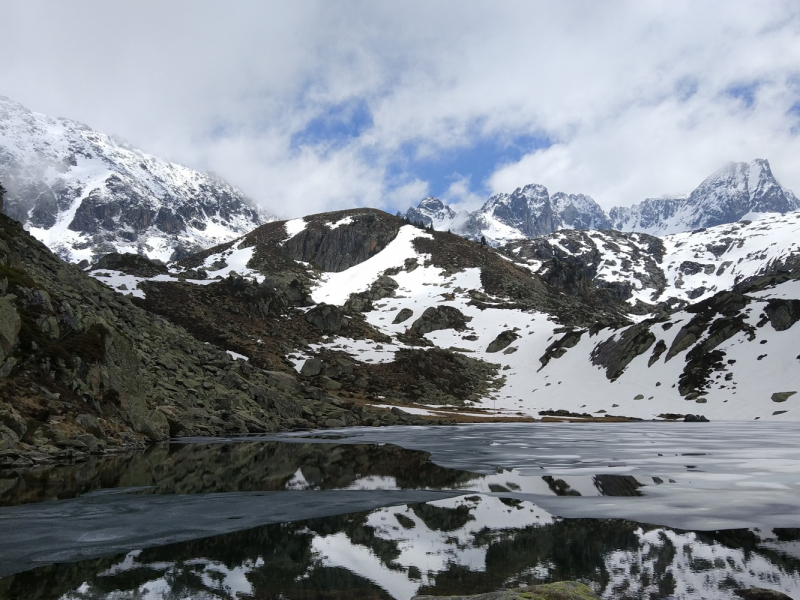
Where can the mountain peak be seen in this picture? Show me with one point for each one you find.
(736, 191)
(85, 193)
(528, 211)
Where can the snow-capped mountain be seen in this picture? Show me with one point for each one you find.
(432, 211)
(527, 212)
(737, 191)
(589, 323)
(84, 193)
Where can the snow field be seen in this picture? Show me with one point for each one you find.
(749, 250)
(335, 288)
(572, 382)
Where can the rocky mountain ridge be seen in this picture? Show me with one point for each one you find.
(85, 194)
(737, 191)
(574, 325)
(83, 370)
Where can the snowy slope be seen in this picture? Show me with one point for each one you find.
(84, 193)
(679, 268)
(763, 365)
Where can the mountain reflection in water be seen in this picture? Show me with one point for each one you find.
(274, 466)
(463, 545)
(490, 521)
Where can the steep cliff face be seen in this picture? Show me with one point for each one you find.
(354, 237)
(84, 193)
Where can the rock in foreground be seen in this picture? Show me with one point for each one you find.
(561, 590)
(761, 594)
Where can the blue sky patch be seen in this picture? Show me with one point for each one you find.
(794, 110)
(477, 161)
(686, 87)
(336, 125)
(746, 92)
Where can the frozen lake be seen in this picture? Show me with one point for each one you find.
(636, 510)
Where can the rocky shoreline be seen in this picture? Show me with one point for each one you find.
(85, 371)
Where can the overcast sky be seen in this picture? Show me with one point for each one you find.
(314, 106)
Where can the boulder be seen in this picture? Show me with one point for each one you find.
(326, 317)
(503, 340)
(403, 315)
(695, 419)
(782, 313)
(312, 367)
(440, 317)
(782, 396)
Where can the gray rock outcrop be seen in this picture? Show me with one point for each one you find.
(440, 317)
(502, 341)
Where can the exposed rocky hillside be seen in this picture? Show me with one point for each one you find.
(573, 325)
(85, 194)
(735, 192)
(83, 370)
(667, 272)
(298, 289)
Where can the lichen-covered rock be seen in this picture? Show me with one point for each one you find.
(10, 323)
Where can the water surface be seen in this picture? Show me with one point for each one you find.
(635, 510)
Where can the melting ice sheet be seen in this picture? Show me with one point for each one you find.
(637, 510)
(700, 476)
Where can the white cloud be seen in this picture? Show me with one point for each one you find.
(460, 196)
(224, 86)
